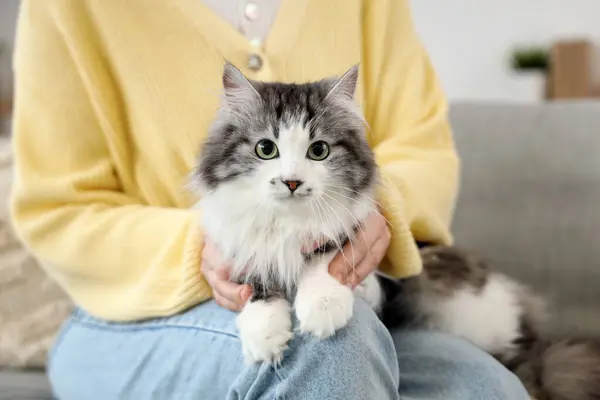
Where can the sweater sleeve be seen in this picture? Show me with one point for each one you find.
(117, 257)
(410, 133)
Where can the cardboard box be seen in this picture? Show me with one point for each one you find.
(574, 70)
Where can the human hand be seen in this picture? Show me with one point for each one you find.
(364, 254)
(226, 294)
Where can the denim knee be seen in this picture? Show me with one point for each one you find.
(364, 340)
(493, 381)
(358, 362)
(435, 365)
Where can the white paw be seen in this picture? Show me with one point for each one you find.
(322, 304)
(265, 329)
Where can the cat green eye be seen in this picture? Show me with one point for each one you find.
(266, 149)
(318, 151)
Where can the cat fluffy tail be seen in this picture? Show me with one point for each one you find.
(550, 369)
(567, 369)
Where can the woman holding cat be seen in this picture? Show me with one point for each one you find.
(113, 101)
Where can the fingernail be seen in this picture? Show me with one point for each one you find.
(309, 249)
(353, 280)
(244, 294)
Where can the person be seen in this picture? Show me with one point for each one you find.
(113, 100)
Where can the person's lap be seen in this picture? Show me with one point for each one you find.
(197, 355)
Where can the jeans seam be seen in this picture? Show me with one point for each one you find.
(152, 327)
(281, 379)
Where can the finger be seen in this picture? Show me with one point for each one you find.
(208, 250)
(355, 252)
(211, 253)
(340, 265)
(208, 272)
(217, 278)
(352, 254)
(223, 274)
(309, 249)
(314, 245)
(233, 292)
(371, 262)
(226, 303)
(245, 291)
(373, 230)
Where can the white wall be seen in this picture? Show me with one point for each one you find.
(470, 41)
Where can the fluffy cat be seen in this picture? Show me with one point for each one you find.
(286, 166)
(458, 294)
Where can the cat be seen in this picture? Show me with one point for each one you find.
(458, 294)
(286, 166)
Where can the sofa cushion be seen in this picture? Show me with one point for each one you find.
(32, 307)
(24, 385)
(530, 199)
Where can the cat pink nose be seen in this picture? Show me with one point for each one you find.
(292, 185)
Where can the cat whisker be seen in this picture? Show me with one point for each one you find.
(363, 203)
(332, 234)
(326, 220)
(254, 216)
(358, 224)
(321, 255)
(347, 233)
(359, 202)
(356, 192)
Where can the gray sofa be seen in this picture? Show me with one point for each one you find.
(530, 199)
(530, 203)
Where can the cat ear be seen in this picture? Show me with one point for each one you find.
(346, 85)
(239, 91)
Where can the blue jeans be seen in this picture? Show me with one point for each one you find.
(197, 355)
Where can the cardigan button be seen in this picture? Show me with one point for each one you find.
(251, 11)
(255, 62)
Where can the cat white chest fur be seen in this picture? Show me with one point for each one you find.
(266, 241)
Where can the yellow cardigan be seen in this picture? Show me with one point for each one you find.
(114, 98)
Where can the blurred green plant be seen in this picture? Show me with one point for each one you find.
(531, 59)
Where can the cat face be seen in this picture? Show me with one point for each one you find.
(294, 167)
(288, 143)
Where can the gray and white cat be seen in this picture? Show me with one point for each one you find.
(288, 165)
(285, 166)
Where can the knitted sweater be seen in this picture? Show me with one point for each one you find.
(113, 101)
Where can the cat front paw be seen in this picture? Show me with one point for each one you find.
(265, 328)
(322, 304)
